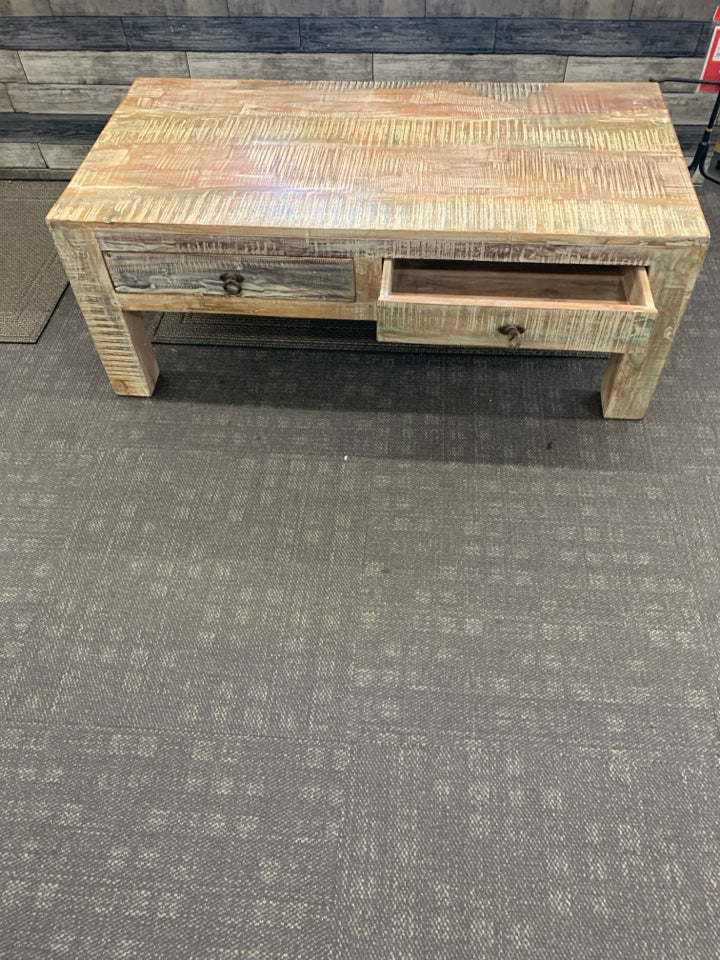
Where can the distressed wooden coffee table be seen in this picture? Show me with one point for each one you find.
(553, 216)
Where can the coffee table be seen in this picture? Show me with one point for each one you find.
(516, 215)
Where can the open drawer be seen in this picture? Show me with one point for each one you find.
(550, 306)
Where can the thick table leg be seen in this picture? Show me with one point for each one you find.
(120, 336)
(631, 378)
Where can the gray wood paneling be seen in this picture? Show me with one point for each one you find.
(25, 8)
(628, 38)
(704, 40)
(673, 9)
(34, 173)
(20, 155)
(107, 67)
(327, 8)
(26, 127)
(466, 67)
(282, 66)
(65, 98)
(64, 156)
(148, 8)
(394, 35)
(686, 108)
(217, 34)
(565, 9)
(5, 105)
(633, 68)
(10, 66)
(62, 33)
(688, 136)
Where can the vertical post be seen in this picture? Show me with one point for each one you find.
(119, 335)
(631, 378)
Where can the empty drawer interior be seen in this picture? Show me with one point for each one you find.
(517, 284)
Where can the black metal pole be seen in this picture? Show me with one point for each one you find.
(698, 161)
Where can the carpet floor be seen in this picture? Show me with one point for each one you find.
(332, 655)
(32, 276)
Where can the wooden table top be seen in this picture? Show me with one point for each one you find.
(580, 161)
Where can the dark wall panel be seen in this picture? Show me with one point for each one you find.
(62, 33)
(398, 35)
(218, 34)
(598, 38)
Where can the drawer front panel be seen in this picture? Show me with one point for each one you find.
(594, 331)
(284, 278)
(584, 308)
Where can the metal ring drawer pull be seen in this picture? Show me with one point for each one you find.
(232, 283)
(514, 332)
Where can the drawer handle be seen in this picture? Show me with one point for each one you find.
(232, 283)
(514, 333)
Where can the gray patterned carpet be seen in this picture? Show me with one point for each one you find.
(353, 656)
(32, 276)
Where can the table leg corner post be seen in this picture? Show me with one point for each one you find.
(119, 335)
(631, 378)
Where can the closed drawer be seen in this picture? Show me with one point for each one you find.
(292, 278)
(596, 309)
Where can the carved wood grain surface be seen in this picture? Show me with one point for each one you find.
(305, 278)
(594, 331)
(597, 163)
(172, 241)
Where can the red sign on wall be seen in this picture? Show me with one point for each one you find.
(711, 67)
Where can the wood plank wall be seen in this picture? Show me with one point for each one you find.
(65, 64)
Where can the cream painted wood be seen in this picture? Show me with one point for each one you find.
(524, 173)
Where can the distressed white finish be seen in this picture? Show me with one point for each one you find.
(514, 172)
